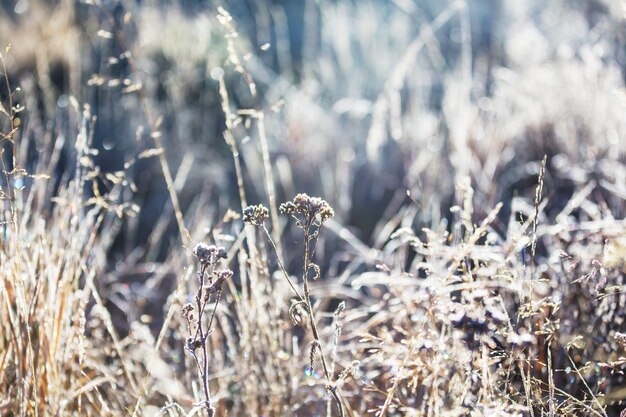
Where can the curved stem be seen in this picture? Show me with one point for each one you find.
(305, 277)
(280, 264)
(306, 299)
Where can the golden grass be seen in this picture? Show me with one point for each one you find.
(490, 283)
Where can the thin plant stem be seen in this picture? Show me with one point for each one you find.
(306, 225)
(205, 356)
(307, 292)
(280, 263)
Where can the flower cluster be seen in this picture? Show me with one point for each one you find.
(220, 276)
(192, 344)
(188, 311)
(255, 215)
(308, 207)
(209, 293)
(209, 254)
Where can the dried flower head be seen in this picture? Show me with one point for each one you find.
(209, 254)
(308, 207)
(223, 274)
(255, 215)
(192, 344)
(220, 276)
(187, 310)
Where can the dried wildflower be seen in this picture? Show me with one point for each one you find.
(209, 254)
(187, 310)
(255, 215)
(310, 213)
(288, 208)
(221, 276)
(192, 344)
(308, 207)
(203, 251)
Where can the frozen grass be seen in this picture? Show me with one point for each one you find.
(474, 263)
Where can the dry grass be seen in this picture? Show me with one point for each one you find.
(475, 263)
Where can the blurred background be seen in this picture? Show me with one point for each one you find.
(364, 100)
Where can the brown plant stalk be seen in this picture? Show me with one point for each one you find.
(210, 282)
(309, 213)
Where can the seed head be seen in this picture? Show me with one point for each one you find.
(221, 252)
(220, 276)
(209, 254)
(187, 310)
(255, 215)
(288, 208)
(223, 274)
(192, 344)
(308, 207)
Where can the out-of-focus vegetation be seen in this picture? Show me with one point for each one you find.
(473, 153)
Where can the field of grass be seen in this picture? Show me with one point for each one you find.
(313, 208)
